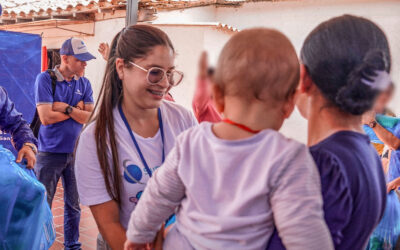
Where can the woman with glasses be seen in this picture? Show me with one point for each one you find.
(131, 131)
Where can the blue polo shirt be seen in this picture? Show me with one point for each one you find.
(61, 137)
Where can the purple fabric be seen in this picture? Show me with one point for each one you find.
(353, 189)
(11, 121)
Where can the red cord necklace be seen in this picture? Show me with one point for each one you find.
(240, 126)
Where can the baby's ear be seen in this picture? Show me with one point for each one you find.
(218, 96)
(288, 106)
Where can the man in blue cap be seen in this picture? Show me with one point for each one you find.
(63, 110)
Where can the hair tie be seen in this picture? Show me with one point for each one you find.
(381, 81)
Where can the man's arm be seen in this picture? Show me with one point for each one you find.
(80, 115)
(383, 134)
(86, 106)
(387, 137)
(48, 116)
(11, 121)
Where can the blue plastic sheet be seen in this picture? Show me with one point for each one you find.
(20, 63)
(394, 164)
(26, 221)
(387, 232)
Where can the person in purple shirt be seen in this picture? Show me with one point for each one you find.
(11, 121)
(345, 65)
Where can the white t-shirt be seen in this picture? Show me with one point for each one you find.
(90, 180)
(231, 194)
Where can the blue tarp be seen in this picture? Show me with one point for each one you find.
(26, 221)
(20, 63)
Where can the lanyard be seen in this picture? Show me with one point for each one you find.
(241, 126)
(160, 123)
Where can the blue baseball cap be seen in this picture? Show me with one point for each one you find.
(77, 48)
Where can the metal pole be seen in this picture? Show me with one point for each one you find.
(131, 12)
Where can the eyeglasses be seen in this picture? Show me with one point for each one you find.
(155, 75)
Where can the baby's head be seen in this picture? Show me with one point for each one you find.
(257, 66)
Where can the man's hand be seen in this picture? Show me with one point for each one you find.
(135, 246)
(104, 50)
(80, 105)
(60, 106)
(393, 185)
(27, 153)
(368, 117)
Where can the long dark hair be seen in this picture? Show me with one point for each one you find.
(131, 43)
(339, 54)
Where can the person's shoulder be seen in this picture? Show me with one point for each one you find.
(202, 129)
(88, 132)
(43, 81)
(86, 148)
(43, 77)
(324, 157)
(336, 148)
(178, 113)
(332, 165)
(282, 144)
(284, 153)
(173, 107)
(84, 80)
(193, 136)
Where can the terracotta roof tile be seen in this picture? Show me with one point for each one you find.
(37, 8)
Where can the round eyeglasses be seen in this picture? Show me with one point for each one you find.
(155, 75)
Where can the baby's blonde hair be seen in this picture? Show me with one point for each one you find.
(258, 63)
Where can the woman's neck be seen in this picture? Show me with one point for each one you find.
(255, 116)
(143, 122)
(323, 121)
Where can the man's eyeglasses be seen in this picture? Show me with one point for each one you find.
(155, 75)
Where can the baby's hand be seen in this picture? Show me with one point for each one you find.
(136, 246)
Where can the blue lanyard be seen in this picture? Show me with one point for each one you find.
(160, 123)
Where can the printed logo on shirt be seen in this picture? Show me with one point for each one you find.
(152, 170)
(135, 199)
(78, 92)
(132, 173)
